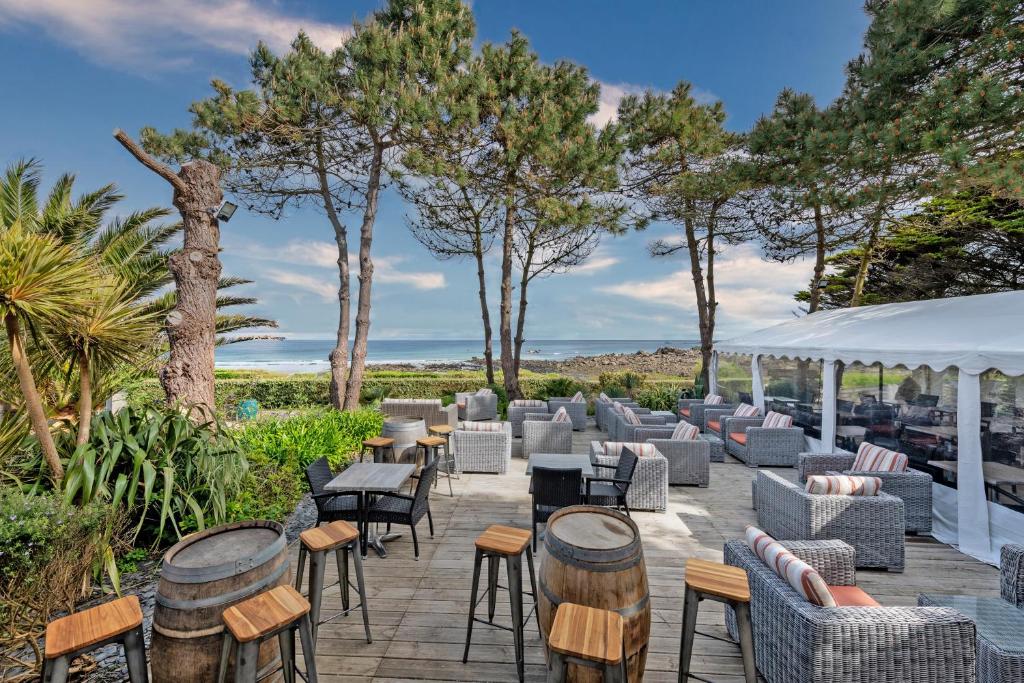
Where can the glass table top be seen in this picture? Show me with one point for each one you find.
(997, 621)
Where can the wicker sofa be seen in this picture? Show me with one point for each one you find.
(689, 462)
(799, 642)
(648, 432)
(873, 525)
(577, 411)
(518, 409)
(692, 409)
(617, 422)
(429, 410)
(487, 452)
(604, 408)
(474, 406)
(762, 446)
(649, 490)
(541, 435)
(912, 487)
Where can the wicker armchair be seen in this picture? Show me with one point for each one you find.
(873, 525)
(429, 410)
(617, 423)
(518, 409)
(541, 435)
(798, 642)
(911, 486)
(651, 432)
(650, 480)
(487, 452)
(689, 462)
(713, 416)
(1011, 574)
(473, 406)
(762, 446)
(602, 409)
(692, 409)
(577, 411)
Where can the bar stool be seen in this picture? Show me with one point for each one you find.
(342, 538)
(377, 445)
(587, 637)
(496, 543)
(721, 583)
(278, 612)
(431, 446)
(445, 432)
(117, 621)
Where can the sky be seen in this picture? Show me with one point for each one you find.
(76, 70)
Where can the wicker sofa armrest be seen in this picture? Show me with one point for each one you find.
(677, 447)
(646, 432)
(538, 417)
(1011, 574)
(646, 419)
(686, 402)
(809, 464)
(834, 560)
(732, 424)
(791, 438)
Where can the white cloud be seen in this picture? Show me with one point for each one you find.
(387, 269)
(319, 286)
(164, 33)
(612, 94)
(595, 264)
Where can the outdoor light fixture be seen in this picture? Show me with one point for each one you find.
(226, 211)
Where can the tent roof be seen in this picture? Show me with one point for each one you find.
(973, 333)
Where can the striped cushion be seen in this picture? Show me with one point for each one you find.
(482, 426)
(630, 417)
(529, 403)
(484, 392)
(618, 407)
(746, 410)
(561, 416)
(642, 450)
(843, 485)
(800, 575)
(685, 431)
(872, 458)
(775, 420)
(603, 398)
(578, 398)
(713, 400)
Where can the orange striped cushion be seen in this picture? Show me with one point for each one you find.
(843, 485)
(746, 410)
(872, 458)
(561, 416)
(775, 420)
(641, 450)
(800, 575)
(482, 426)
(630, 417)
(685, 412)
(715, 425)
(713, 400)
(685, 431)
(578, 398)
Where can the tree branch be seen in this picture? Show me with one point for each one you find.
(148, 161)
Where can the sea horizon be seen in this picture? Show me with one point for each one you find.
(310, 355)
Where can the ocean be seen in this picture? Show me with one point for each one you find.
(310, 355)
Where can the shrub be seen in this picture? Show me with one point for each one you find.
(269, 491)
(562, 386)
(299, 440)
(658, 398)
(630, 382)
(166, 472)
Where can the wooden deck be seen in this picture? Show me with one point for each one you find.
(418, 608)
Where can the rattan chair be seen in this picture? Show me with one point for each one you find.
(552, 490)
(649, 490)
(611, 491)
(518, 409)
(486, 452)
(331, 506)
(473, 406)
(398, 508)
(541, 435)
(762, 446)
(603, 408)
(692, 410)
(577, 411)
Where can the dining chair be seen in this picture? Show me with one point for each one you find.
(553, 489)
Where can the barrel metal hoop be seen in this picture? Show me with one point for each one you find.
(187, 635)
(625, 612)
(223, 598)
(222, 571)
(594, 560)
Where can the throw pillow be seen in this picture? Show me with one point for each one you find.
(578, 398)
(603, 398)
(642, 450)
(843, 485)
(713, 400)
(685, 431)
(528, 403)
(561, 416)
(775, 420)
(872, 458)
(618, 407)
(630, 417)
(482, 426)
(800, 575)
(746, 410)
(484, 392)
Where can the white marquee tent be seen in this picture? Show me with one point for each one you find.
(972, 334)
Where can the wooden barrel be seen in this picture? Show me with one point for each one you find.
(593, 557)
(200, 577)
(405, 431)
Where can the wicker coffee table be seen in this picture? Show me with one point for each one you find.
(1000, 633)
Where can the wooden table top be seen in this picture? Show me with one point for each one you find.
(375, 477)
(995, 473)
(587, 633)
(503, 540)
(713, 578)
(563, 461)
(90, 626)
(265, 613)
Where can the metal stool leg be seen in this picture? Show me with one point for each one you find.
(316, 590)
(286, 641)
(556, 667)
(492, 584)
(472, 603)
(514, 568)
(533, 584)
(357, 560)
(746, 633)
(691, 601)
(300, 567)
(56, 670)
(135, 655)
(246, 660)
(225, 656)
(308, 649)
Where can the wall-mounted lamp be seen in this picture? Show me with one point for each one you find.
(226, 211)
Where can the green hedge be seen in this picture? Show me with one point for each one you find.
(305, 391)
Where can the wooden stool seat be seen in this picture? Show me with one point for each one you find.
(720, 580)
(329, 536)
(431, 441)
(587, 633)
(441, 429)
(265, 614)
(379, 442)
(503, 540)
(91, 626)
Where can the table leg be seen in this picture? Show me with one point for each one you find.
(374, 539)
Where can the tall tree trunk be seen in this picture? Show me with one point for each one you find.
(865, 263)
(508, 369)
(704, 321)
(485, 313)
(712, 303)
(33, 403)
(84, 399)
(339, 354)
(814, 302)
(521, 316)
(354, 385)
(191, 326)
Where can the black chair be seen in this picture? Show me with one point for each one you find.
(399, 508)
(330, 505)
(553, 489)
(611, 491)
(926, 400)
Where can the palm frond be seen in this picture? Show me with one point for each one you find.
(232, 281)
(224, 341)
(229, 301)
(19, 193)
(234, 322)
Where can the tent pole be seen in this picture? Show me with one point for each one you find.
(756, 383)
(713, 374)
(972, 507)
(828, 406)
